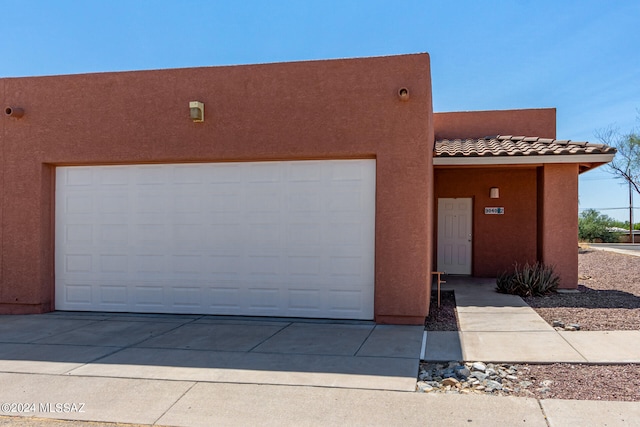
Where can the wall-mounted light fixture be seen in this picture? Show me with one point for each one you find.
(494, 193)
(196, 111)
(15, 112)
(403, 94)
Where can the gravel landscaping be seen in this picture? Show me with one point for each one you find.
(556, 381)
(442, 318)
(608, 299)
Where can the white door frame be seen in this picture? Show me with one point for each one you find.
(455, 233)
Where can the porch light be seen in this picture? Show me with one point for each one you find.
(196, 111)
(494, 193)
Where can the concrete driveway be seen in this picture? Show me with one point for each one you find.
(212, 349)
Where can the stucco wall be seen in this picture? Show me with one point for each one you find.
(498, 240)
(558, 236)
(304, 110)
(478, 124)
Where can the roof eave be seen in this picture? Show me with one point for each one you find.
(594, 159)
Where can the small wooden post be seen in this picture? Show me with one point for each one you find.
(439, 278)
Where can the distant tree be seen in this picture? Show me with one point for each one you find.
(626, 163)
(592, 226)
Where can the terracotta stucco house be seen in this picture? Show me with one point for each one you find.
(311, 189)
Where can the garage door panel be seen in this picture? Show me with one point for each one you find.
(264, 300)
(149, 264)
(345, 302)
(151, 175)
(221, 202)
(302, 300)
(268, 238)
(79, 234)
(79, 176)
(185, 295)
(310, 171)
(78, 263)
(114, 234)
(265, 172)
(78, 294)
(226, 298)
(302, 235)
(115, 295)
(114, 264)
(309, 266)
(303, 200)
(79, 203)
(149, 297)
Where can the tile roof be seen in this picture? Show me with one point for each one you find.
(509, 145)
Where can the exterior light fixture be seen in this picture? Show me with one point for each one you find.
(196, 111)
(494, 193)
(403, 94)
(15, 112)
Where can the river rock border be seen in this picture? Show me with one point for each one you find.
(476, 377)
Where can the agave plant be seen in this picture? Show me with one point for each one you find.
(528, 280)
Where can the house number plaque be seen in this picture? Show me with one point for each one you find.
(494, 211)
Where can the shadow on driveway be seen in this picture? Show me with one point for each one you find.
(213, 348)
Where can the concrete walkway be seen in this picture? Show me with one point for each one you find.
(503, 328)
(191, 403)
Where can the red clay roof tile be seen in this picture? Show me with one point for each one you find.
(509, 145)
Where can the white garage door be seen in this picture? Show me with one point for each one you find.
(259, 238)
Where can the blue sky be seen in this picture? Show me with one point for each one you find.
(582, 57)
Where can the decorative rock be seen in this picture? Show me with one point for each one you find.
(493, 385)
(496, 379)
(477, 378)
(424, 387)
(576, 326)
(462, 371)
(450, 382)
(479, 366)
(479, 375)
(569, 328)
(558, 324)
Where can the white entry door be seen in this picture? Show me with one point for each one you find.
(291, 238)
(454, 235)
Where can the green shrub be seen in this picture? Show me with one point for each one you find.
(594, 227)
(528, 280)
